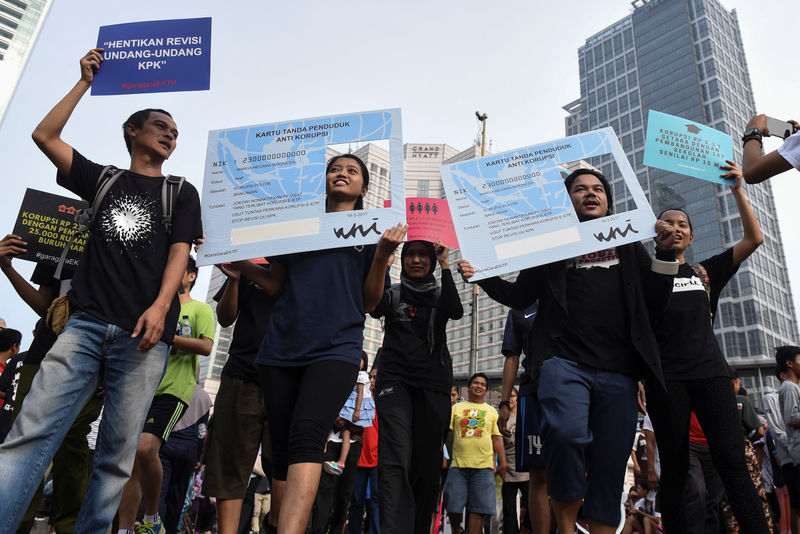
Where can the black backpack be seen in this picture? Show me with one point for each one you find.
(169, 198)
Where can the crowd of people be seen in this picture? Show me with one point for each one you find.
(308, 436)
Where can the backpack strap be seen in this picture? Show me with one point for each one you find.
(169, 199)
(85, 217)
(394, 302)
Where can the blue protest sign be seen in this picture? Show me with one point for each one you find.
(264, 191)
(154, 57)
(511, 210)
(685, 147)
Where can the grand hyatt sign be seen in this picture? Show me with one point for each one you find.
(425, 151)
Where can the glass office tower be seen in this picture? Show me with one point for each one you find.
(685, 58)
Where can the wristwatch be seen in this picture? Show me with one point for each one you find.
(752, 133)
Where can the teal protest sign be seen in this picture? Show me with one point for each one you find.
(685, 147)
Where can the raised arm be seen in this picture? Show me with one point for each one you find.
(751, 233)
(519, 294)
(151, 322)
(270, 280)
(228, 305)
(384, 256)
(449, 298)
(37, 299)
(47, 134)
(756, 166)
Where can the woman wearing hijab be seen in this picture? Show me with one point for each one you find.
(412, 389)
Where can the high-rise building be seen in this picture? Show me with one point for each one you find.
(686, 58)
(20, 21)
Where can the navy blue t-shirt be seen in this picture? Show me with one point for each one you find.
(515, 342)
(254, 309)
(319, 314)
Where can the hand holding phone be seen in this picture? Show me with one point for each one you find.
(778, 128)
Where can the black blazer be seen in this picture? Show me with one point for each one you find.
(645, 291)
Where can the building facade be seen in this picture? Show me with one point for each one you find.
(686, 58)
(20, 21)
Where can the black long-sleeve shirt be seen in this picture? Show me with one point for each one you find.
(642, 291)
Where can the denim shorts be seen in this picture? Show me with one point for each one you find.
(473, 488)
(589, 426)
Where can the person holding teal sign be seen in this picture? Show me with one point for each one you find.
(696, 373)
(311, 352)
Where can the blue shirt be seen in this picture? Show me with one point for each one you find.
(515, 342)
(319, 314)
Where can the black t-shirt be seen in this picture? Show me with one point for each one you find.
(516, 339)
(122, 266)
(319, 314)
(406, 355)
(8, 385)
(43, 338)
(597, 332)
(255, 306)
(685, 333)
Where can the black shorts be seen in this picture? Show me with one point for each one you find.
(791, 476)
(163, 415)
(529, 434)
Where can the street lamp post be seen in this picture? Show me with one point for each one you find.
(473, 342)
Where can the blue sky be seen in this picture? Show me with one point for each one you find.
(438, 61)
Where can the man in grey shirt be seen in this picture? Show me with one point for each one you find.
(789, 396)
(774, 416)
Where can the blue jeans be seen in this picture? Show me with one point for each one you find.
(88, 353)
(589, 425)
(473, 488)
(365, 477)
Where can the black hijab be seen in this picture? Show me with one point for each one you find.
(419, 291)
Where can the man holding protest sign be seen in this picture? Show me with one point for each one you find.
(124, 304)
(593, 338)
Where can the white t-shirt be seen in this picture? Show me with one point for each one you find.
(647, 506)
(647, 424)
(336, 437)
(363, 378)
(790, 150)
